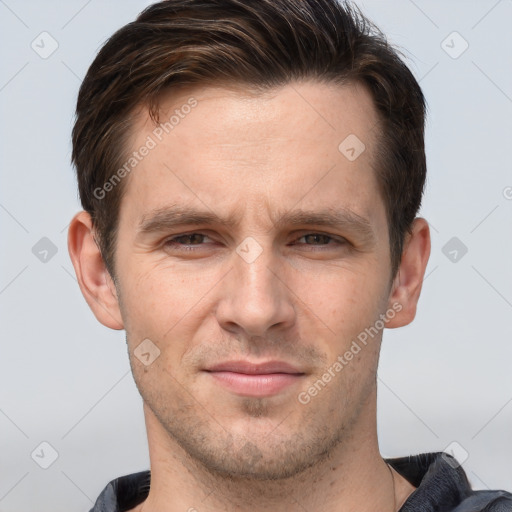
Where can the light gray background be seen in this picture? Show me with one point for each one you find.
(65, 378)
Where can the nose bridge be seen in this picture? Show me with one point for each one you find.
(256, 298)
(253, 266)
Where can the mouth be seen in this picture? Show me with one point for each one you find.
(249, 379)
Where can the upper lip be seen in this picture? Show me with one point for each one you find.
(254, 368)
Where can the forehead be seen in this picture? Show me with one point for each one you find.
(233, 150)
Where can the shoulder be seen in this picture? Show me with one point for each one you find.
(441, 481)
(124, 493)
(486, 501)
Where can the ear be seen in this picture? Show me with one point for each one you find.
(406, 288)
(93, 277)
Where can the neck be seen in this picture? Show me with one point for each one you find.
(352, 477)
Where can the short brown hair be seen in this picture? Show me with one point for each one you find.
(260, 44)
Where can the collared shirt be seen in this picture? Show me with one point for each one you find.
(441, 486)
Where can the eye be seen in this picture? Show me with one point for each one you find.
(316, 239)
(187, 242)
(320, 239)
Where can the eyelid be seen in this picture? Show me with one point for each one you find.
(336, 238)
(190, 233)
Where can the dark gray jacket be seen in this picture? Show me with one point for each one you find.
(441, 486)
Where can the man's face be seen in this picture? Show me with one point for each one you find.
(287, 261)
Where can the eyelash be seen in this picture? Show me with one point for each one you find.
(194, 247)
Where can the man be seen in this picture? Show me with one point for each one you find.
(250, 174)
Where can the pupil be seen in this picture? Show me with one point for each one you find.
(316, 238)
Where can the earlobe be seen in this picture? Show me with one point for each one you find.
(407, 284)
(93, 277)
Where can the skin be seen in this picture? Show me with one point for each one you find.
(303, 300)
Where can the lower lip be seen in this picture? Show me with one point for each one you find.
(255, 385)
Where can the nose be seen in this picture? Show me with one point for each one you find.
(255, 297)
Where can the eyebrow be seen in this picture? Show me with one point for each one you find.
(163, 219)
(168, 217)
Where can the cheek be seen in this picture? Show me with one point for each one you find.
(167, 305)
(344, 300)
(159, 296)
